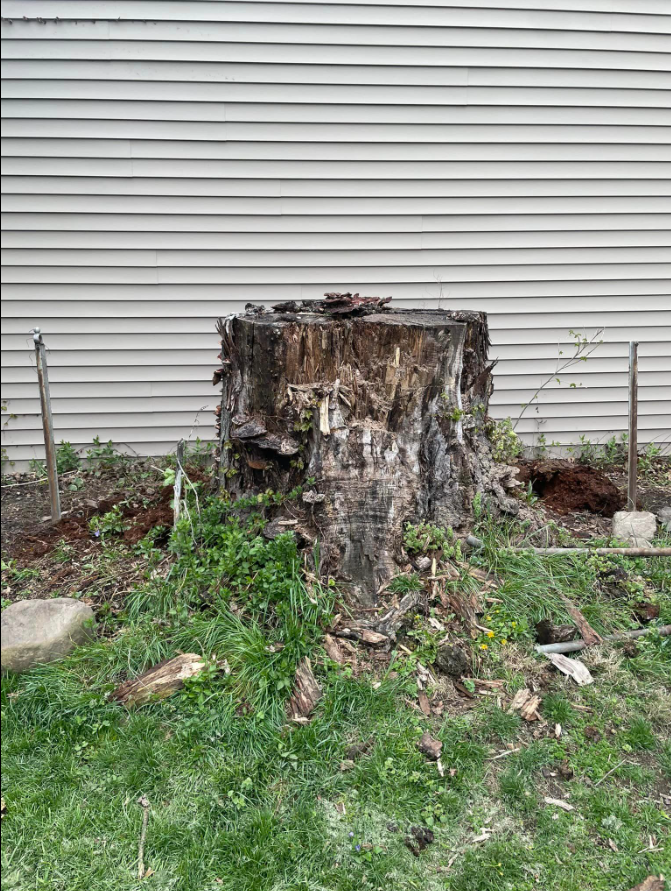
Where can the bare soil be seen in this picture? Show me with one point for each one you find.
(569, 488)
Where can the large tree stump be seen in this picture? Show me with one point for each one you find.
(384, 410)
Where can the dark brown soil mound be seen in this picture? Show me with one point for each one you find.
(569, 488)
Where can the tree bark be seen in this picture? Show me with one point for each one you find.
(385, 411)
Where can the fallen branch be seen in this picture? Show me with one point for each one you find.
(144, 804)
(571, 646)
(478, 543)
(599, 552)
(589, 635)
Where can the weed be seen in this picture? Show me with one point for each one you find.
(67, 458)
(506, 445)
(110, 523)
(427, 538)
(103, 456)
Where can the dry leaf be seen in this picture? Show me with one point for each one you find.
(424, 703)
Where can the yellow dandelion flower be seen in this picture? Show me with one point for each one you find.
(484, 647)
(503, 641)
(490, 634)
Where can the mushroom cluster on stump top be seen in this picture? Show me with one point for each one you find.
(377, 413)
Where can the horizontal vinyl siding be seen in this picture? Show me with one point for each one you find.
(167, 162)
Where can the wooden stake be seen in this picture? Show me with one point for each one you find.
(177, 490)
(632, 470)
(47, 425)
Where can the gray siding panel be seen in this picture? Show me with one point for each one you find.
(506, 155)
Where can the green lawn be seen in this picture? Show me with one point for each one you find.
(242, 800)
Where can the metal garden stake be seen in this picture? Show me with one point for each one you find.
(632, 469)
(47, 424)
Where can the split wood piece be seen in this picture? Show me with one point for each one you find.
(652, 883)
(160, 681)
(573, 668)
(575, 645)
(589, 635)
(306, 694)
(526, 703)
(429, 746)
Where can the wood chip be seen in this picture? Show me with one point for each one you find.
(424, 703)
(160, 681)
(558, 802)
(333, 650)
(526, 703)
(430, 747)
(571, 667)
(307, 692)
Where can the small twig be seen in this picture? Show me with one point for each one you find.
(504, 754)
(606, 775)
(42, 479)
(144, 804)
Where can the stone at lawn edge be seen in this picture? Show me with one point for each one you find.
(37, 631)
(636, 527)
(664, 516)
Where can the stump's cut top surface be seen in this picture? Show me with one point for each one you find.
(424, 318)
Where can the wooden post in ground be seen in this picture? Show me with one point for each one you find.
(47, 424)
(632, 465)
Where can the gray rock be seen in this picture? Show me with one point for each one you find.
(664, 516)
(635, 527)
(452, 660)
(36, 631)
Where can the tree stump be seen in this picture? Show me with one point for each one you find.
(384, 410)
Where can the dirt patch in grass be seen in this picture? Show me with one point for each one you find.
(570, 488)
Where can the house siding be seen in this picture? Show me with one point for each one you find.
(166, 162)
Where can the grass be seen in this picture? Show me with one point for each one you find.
(242, 800)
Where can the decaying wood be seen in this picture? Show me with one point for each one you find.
(390, 623)
(588, 634)
(429, 746)
(364, 634)
(160, 681)
(384, 409)
(573, 668)
(652, 883)
(306, 693)
(548, 633)
(333, 651)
